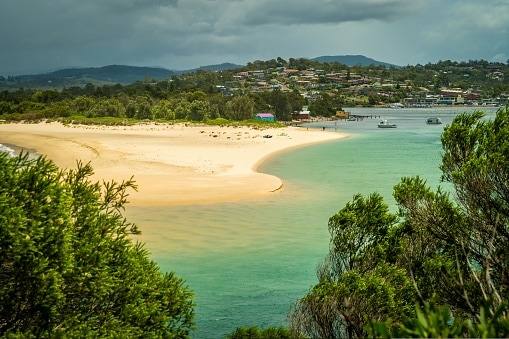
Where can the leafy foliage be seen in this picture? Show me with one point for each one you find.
(471, 235)
(437, 322)
(447, 256)
(240, 108)
(268, 333)
(358, 280)
(68, 264)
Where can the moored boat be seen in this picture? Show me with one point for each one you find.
(385, 124)
(433, 121)
(396, 105)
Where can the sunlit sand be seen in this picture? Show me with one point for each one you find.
(172, 164)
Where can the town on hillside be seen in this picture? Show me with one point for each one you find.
(377, 90)
(296, 89)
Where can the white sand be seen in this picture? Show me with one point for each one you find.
(172, 164)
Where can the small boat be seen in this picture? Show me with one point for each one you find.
(433, 121)
(386, 124)
(396, 105)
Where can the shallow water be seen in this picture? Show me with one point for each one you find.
(249, 261)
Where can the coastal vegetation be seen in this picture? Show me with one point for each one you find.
(437, 267)
(69, 267)
(434, 268)
(276, 86)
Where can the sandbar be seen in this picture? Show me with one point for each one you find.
(172, 164)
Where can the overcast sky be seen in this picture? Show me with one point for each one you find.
(38, 36)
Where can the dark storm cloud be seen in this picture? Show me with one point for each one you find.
(300, 12)
(42, 35)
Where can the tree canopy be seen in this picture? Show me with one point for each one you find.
(68, 264)
(439, 266)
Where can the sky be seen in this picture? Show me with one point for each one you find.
(39, 36)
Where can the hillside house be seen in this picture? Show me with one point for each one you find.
(304, 115)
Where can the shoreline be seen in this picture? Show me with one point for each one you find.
(178, 164)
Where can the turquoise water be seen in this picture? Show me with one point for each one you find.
(249, 261)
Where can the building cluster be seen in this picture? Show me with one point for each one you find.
(310, 83)
(450, 97)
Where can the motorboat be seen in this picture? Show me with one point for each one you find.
(396, 105)
(385, 124)
(433, 121)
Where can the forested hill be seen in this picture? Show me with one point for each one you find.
(125, 75)
(219, 67)
(107, 75)
(114, 73)
(69, 77)
(352, 60)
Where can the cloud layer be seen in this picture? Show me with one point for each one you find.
(41, 35)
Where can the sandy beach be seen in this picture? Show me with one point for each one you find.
(171, 164)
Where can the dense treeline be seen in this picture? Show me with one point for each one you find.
(204, 95)
(176, 100)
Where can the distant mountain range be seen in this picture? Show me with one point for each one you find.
(353, 60)
(113, 73)
(69, 77)
(119, 74)
(220, 67)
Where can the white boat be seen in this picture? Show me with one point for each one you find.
(396, 105)
(386, 124)
(433, 121)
